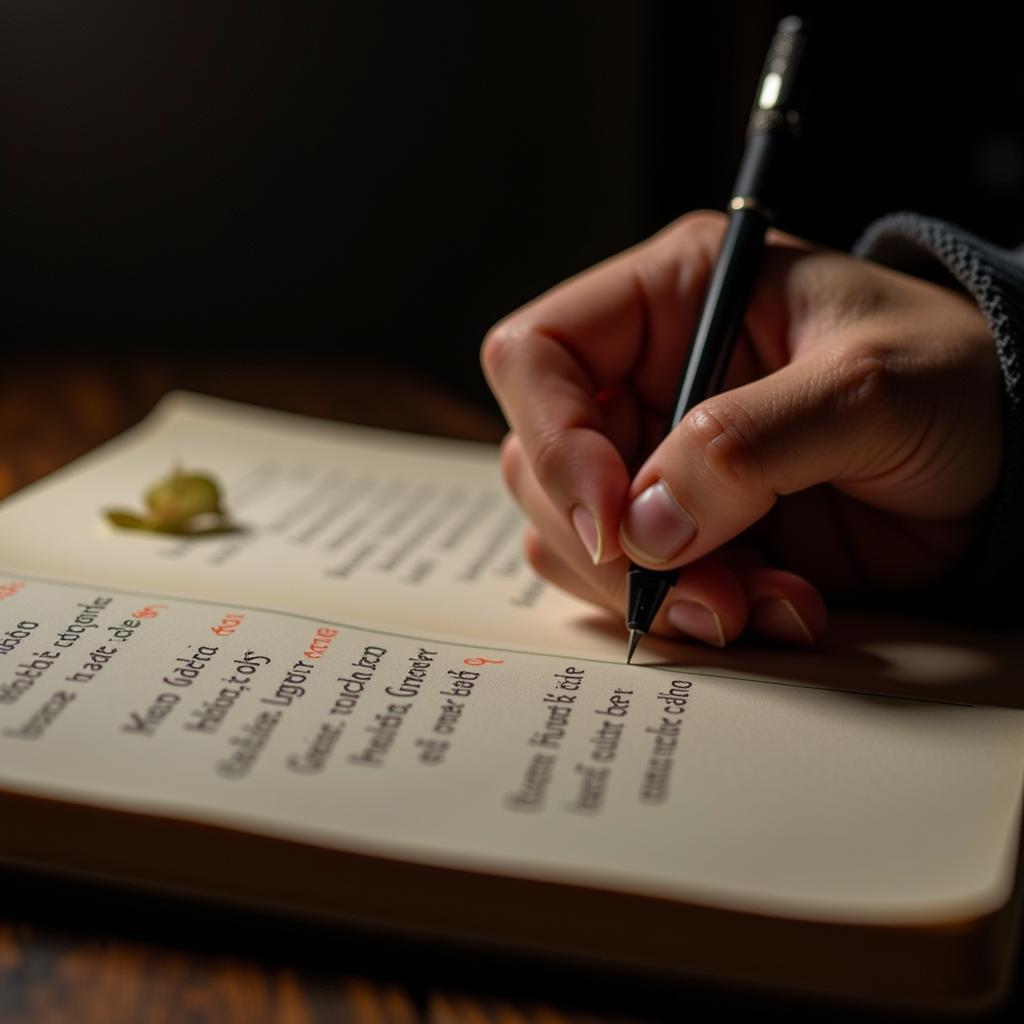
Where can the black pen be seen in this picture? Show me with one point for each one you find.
(774, 122)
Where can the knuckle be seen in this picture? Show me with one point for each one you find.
(709, 223)
(498, 345)
(726, 438)
(867, 377)
(702, 227)
(511, 462)
(548, 457)
(840, 289)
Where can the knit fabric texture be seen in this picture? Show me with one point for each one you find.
(994, 278)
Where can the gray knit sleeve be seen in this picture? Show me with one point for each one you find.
(994, 277)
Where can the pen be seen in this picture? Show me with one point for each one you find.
(773, 124)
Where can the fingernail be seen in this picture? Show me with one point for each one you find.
(655, 526)
(697, 620)
(777, 617)
(589, 530)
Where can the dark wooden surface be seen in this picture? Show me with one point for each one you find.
(75, 951)
(52, 413)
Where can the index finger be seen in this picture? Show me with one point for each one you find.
(619, 323)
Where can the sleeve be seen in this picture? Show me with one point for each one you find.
(994, 277)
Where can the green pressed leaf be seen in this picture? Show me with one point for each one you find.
(175, 500)
(181, 503)
(127, 520)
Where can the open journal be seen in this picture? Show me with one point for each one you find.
(361, 704)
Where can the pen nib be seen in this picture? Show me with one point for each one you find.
(634, 639)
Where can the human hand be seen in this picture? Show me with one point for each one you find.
(854, 446)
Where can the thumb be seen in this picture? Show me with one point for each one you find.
(834, 414)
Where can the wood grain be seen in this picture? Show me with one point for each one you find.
(49, 417)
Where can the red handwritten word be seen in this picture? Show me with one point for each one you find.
(149, 612)
(228, 624)
(10, 589)
(477, 662)
(321, 641)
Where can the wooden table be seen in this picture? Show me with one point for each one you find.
(84, 953)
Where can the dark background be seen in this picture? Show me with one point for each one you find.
(380, 182)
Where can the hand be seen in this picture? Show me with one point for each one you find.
(856, 442)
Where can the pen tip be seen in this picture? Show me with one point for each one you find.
(634, 639)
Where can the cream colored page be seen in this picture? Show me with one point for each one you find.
(385, 530)
(791, 801)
